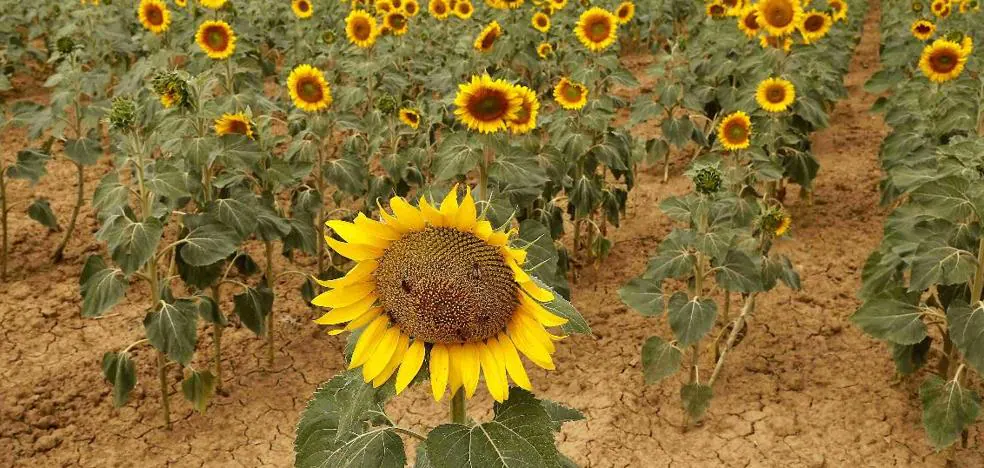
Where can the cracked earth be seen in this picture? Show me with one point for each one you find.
(804, 388)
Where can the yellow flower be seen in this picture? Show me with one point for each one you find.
(557, 5)
(748, 21)
(541, 22)
(396, 22)
(512, 4)
(967, 45)
(525, 119)
(302, 8)
(923, 30)
(408, 265)
(234, 124)
(815, 25)
(180, 3)
(784, 226)
(596, 29)
(486, 39)
(779, 17)
(216, 39)
(733, 7)
(410, 117)
(544, 50)
(775, 94)
(625, 12)
(840, 9)
(360, 28)
(716, 9)
(154, 16)
(212, 4)
(308, 89)
(411, 8)
(735, 131)
(943, 60)
(383, 6)
(570, 95)
(486, 105)
(463, 9)
(439, 9)
(776, 42)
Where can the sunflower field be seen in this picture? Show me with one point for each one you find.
(507, 233)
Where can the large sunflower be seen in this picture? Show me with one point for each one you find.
(308, 88)
(486, 105)
(779, 17)
(216, 39)
(411, 8)
(396, 22)
(735, 131)
(596, 29)
(815, 25)
(486, 39)
(302, 8)
(570, 95)
(154, 16)
(748, 21)
(213, 4)
(923, 30)
(410, 117)
(438, 284)
(234, 124)
(464, 9)
(525, 119)
(540, 21)
(775, 94)
(625, 12)
(943, 60)
(439, 9)
(544, 50)
(839, 8)
(383, 6)
(361, 29)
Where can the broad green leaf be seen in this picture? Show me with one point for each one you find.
(199, 388)
(119, 370)
(253, 306)
(892, 320)
(237, 213)
(967, 332)
(30, 165)
(690, 319)
(131, 244)
(738, 273)
(40, 211)
(675, 258)
(166, 180)
(101, 287)
(110, 194)
(349, 174)
(84, 151)
(560, 414)
(910, 358)
(696, 399)
(643, 295)
(210, 312)
(208, 244)
(948, 409)
(542, 256)
(678, 208)
(172, 329)
(715, 244)
(456, 156)
(949, 198)
(560, 306)
(677, 131)
(937, 263)
(659, 359)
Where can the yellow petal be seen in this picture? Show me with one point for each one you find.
(454, 368)
(354, 235)
(517, 254)
(380, 356)
(357, 252)
(535, 331)
(348, 313)
(514, 365)
(412, 360)
(376, 228)
(530, 347)
(539, 313)
(483, 230)
(365, 319)
(498, 238)
(407, 215)
(538, 293)
(430, 214)
(344, 296)
(336, 331)
(470, 369)
(494, 373)
(391, 221)
(438, 370)
(394, 362)
(361, 272)
(449, 206)
(520, 275)
(467, 213)
(367, 340)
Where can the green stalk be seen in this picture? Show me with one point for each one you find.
(270, 280)
(162, 379)
(79, 198)
(458, 415)
(217, 341)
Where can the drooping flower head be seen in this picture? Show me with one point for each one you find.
(487, 37)
(234, 124)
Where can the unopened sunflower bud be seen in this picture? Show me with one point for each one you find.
(707, 180)
(171, 89)
(123, 113)
(386, 103)
(917, 6)
(65, 45)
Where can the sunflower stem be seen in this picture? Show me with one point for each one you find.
(217, 339)
(483, 172)
(162, 379)
(458, 407)
(270, 280)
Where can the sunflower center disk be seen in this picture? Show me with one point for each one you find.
(310, 91)
(943, 62)
(780, 14)
(489, 107)
(736, 132)
(776, 94)
(599, 30)
(813, 23)
(216, 39)
(442, 285)
(154, 16)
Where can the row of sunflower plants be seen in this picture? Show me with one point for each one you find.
(921, 288)
(752, 134)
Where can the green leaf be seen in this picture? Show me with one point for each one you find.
(208, 244)
(40, 211)
(939, 263)
(560, 306)
(110, 194)
(967, 332)
(738, 273)
(101, 287)
(910, 358)
(456, 156)
(948, 409)
(696, 399)
(237, 213)
(348, 173)
(560, 414)
(210, 312)
(84, 151)
(252, 307)
(30, 165)
(891, 319)
(675, 258)
(519, 436)
(690, 319)
(950, 198)
(172, 329)
(131, 244)
(659, 359)
(199, 388)
(166, 180)
(119, 370)
(677, 131)
(643, 295)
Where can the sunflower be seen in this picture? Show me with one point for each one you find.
(382, 6)
(360, 27)
(397, 4)
(716, 9)
(486, 39)
(463, 9)
(486, 105)
(840, 9)
(570, 95)
(541, 22)
(212, 4)
(596, 29)
(733, 7)
(525, 119)
(512, 4)
(437, 284)
(396, 22)
(735, 131)
(775, 94)
(234, 124)
(557, 5)
(938, 6)
(410, 117)
(748, 21)
(776, 42)
(943, 60)
(308, 88)
(779, 17)
(625, 12)
(180, 3)
(784, 226)
(967, 45)
(544, 50)
(154, 16)
(815, 25)
(216, 39)
(411, 8)
(439, 9)
(923, 29)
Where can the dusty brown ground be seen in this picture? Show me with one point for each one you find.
(805, 388)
